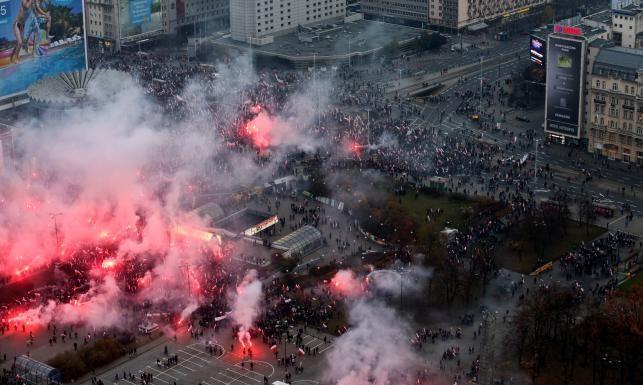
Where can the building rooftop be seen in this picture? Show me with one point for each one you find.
(604, 17)
(629, 10)
(589, 32)
(332, 40)
(602, 43)
(618, 62)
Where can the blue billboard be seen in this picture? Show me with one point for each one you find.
(39, 38)
(139, 17)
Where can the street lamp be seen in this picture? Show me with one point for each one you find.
(481, 59)
(285, 335)
(368, 127)
(54, 216)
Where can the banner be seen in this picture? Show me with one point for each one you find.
(39, 38)
(138, 17)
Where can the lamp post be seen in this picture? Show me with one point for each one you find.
(54, 216)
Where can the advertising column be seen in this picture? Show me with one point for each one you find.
(39, 38)
(564, 95)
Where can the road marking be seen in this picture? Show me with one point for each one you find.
(180, 372)
(219, 380)
(155, 377)
(242, 374)
(616, 220)
(163, 373)
(233, 379)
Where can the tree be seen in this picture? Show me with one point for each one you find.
(429, 41)
(391, 49)
(615, 334)
(448, 273)
(545, 319)
(586, 213)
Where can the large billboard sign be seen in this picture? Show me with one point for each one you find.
(39, 38)
(563, 105)
(139, 17)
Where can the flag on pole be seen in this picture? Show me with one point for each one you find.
(273, 348)
(301, 352)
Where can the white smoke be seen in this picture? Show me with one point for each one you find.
(246, 304)
(375, 350)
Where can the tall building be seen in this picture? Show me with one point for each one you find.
(195, 17)
(615, 103)
(257, 21)
(449, 14)
(111, 24)
(101, 22)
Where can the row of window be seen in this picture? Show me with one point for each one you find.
(628, 89)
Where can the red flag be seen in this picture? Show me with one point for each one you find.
(301, 352)
(273, 348)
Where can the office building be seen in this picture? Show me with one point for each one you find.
(195, 17)
(258, 21)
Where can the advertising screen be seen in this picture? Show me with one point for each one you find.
(537, 50)
(563, 107)
(138, 17)
(39, 38)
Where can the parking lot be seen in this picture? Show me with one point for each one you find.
(195, 365)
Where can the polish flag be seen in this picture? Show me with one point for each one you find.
(273, 348)
(301, 352)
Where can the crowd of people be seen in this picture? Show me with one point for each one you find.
(371, 129)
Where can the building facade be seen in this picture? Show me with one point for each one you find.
(195, 17)
(257, 21)
(615, 103)
(399, 11)
(101, 22)
(627, 24)
(185, 17)
(449, 14)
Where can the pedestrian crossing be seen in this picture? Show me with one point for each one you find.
(313, 342)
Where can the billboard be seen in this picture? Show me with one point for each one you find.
(537, 50)
(564, 90)
(139, 17)
(39, 38)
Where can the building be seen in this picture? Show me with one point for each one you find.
(399, 12)
(101, 23)
(300, 242)
(627, 24)
(113, 24)
(615, 104)
(195, 17)
(32, 372)
(453, 15)
(258, 21)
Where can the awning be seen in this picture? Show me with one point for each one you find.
(477, 27)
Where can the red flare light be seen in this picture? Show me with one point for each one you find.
(258, 131)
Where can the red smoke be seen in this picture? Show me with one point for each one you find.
(347, 284)
(258, 130)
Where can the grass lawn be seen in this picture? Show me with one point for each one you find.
(454, 210)
(576, 234)
(636, 280)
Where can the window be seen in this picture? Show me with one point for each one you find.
(615, 86)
